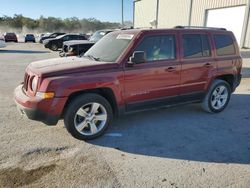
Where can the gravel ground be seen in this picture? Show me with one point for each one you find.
(175, 147)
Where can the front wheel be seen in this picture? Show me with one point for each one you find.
(217, 97)
(88, 116)
(54, 47)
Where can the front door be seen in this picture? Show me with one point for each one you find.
(158, 78)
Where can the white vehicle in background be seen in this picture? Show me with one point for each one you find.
(2, 42)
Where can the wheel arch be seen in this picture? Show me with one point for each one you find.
(229, 78)
(105, 92)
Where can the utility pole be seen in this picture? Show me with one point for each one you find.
(122, 15)
(190, 13)
(157, 14)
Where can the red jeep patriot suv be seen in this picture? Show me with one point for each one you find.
(132, 70)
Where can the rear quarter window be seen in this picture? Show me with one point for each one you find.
(224, 45)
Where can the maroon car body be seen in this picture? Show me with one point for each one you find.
(10, 37)
(129, 87)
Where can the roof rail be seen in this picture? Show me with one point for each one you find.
(198, 27)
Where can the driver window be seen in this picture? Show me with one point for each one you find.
(158, 47)
(66, 37)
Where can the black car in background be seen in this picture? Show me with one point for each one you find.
(75, 47)
(78, 47)
(53, 35)
(56, 43)
(29, 38)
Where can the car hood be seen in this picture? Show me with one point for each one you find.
(74, 42)
(67, 65)
(47, 40)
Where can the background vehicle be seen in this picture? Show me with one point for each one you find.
(29, 38)
(56, 43)
(10, 37)
(2, 42)
(49, 36)
(77, 47)
(132, 70)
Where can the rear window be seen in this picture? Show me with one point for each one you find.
(224, 45)
(196, 46)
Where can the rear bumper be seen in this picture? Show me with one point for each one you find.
(29, 40)
(237, 80)
(47, 111)
(11, 40)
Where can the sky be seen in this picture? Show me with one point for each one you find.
(104, 10)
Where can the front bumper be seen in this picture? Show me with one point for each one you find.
(37, 115)
(47, 111)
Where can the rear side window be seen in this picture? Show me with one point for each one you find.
(224, 45)
(196, 46)
(158, 47)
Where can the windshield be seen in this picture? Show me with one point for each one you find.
(110, 47)
(60, 36)
(97, 36)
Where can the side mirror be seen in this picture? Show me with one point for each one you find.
(137, 57)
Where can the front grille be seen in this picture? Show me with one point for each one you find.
(26, 82)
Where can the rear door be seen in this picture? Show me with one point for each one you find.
(158, 78)
(197, 63)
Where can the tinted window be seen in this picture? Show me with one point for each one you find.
(224, 45)
(196, 45)
(81, 37)
(67, 37)
(70, 37)
(158, 47)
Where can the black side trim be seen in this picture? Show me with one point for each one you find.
(167, 101)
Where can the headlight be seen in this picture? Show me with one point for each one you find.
(70, 49)
(34, 83)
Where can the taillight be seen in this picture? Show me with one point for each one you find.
(26, 82)
(34, 83)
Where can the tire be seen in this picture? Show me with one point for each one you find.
(54, 47)
(217, 97)
(81, 113)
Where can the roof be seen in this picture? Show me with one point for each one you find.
(179, 28)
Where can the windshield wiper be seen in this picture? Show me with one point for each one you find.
(92, 57)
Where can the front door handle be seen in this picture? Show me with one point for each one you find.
(170, 69)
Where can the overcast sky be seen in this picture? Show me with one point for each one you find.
(104, 10)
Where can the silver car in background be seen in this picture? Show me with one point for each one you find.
(2, 42)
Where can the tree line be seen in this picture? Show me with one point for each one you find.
(52, 24)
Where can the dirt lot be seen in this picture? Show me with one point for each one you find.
(175, 147)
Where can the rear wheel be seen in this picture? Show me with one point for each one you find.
(217, 97)
(88, 116)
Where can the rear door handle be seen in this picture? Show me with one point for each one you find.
(208, 65)
(170, 69)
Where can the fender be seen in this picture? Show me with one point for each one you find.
(64, 86)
